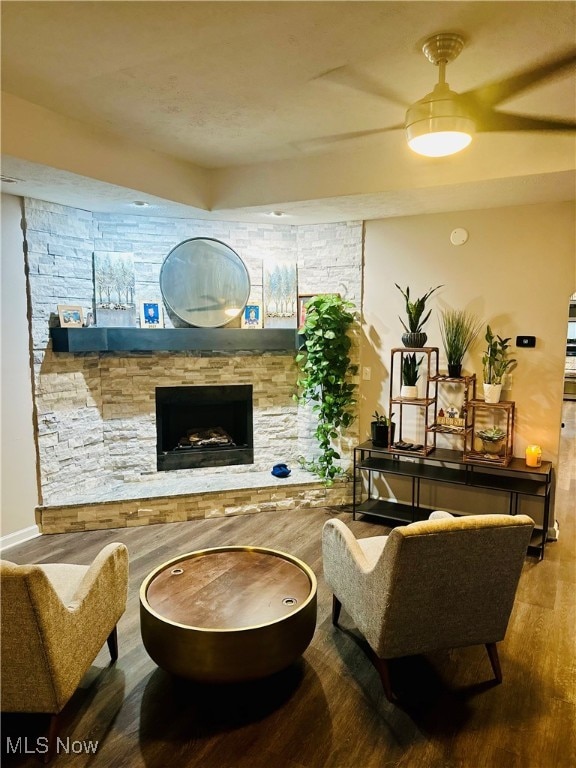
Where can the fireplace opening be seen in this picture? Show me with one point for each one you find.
(209, 426)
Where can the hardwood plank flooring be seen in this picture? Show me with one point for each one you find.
(328, 710)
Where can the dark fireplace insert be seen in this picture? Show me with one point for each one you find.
(208, 426)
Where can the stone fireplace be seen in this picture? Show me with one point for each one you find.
(208, 426)
(96, 412)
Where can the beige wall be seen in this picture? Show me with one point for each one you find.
(516, 271)
(19, 494)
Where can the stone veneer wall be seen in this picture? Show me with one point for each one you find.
(96, 412)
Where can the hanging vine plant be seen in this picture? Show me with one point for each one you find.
(325, 377)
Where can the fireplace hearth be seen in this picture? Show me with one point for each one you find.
(207, 426)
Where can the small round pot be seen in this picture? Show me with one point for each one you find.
(409, 392)
(414, 340)
(381, 433)
(454, 370)
(493, 447)
(492, 393)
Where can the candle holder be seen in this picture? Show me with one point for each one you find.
(533, 456)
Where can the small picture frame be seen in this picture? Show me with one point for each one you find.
(302, 300)
(151, 315)
(252, 316)
(70, 316)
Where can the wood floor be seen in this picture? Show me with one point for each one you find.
(328, 710)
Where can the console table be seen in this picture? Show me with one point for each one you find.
(447, 466)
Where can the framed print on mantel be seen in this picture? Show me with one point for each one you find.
(151, 315)
(70, 316)
(252, 316)
(280, 289)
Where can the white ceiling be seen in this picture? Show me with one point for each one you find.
(254, 91)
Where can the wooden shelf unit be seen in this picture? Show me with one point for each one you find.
(428, 403)
(504, 410)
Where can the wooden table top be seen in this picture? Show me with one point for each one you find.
(228, 588)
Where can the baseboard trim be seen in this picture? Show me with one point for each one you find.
(19, 537)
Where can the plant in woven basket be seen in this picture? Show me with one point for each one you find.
(325, 377)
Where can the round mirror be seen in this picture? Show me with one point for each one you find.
(204, 283)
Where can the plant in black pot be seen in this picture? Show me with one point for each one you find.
(415, 336)
(382, 430)
(458, 329)
(410, 376)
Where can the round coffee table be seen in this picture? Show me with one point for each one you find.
(228, 614)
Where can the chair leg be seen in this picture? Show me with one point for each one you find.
(494, 660)
(384, 672)
(336, 606)
(113, 644)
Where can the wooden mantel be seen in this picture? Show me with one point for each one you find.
(173, 339)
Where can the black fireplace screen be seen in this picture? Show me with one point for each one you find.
(204, 426)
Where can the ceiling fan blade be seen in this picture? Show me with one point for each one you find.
(492, 120)
(321, 141)
(348, 77)
(495, 93)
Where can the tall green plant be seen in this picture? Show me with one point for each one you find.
(495, 361)
(458, 329)
(325, 373)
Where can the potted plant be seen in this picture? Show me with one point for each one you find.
(495, 363)
(415, 336)
(458, 329)
(492, 440)
(382, 430)
(410, 376)
(325, 377)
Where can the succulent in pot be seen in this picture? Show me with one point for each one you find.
(458, 329)
(492, 439)
(382, 430)
(415, 336)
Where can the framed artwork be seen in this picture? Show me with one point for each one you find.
(302, 300)
(70, 316)
(114, 286)
(280, 291)
(252, 316)
(151, 314)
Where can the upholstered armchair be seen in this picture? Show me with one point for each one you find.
(441, 583)
(54, 620)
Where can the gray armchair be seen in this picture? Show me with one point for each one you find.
(54, 620)
(441, 583)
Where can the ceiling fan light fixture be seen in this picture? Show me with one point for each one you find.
(439, 125)
(439, 143)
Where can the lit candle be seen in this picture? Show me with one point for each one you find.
(533, 456)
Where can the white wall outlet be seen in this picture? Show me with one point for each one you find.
(366, 373)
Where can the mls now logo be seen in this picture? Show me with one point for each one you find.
(23, 746)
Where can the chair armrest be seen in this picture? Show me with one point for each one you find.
(106, 577)
(337, 536)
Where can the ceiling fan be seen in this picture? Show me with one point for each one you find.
(444, 122)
